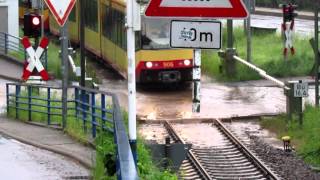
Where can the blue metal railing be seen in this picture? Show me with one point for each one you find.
(95, 110)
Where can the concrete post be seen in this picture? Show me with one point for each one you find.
(294, 104)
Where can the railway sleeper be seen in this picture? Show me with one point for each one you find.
(228, 164)
(246, 178)
(239, 173)
(213, 168)
(256, 175)
(214, 154)
(237, 159)
(219, 150)
(222, 156)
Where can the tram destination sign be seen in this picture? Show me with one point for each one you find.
(196, 34)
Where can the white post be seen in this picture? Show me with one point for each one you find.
(196, 81)
(131, 78)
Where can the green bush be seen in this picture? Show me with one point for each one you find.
(306, 138)
(267, 54)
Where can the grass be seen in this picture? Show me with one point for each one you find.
(267, 53)
(306, 139)
(105, 147)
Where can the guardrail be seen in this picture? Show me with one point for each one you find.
(93, 109)
(10, 46)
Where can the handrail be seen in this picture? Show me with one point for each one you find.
(107, 115)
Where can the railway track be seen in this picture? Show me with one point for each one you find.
(232, 160)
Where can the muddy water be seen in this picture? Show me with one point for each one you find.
(20, 161)
(153, 132)
(218, 100)
(247, 129)
(201, 135)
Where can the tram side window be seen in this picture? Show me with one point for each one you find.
(91, 17)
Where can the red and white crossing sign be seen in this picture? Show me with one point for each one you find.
(34, 60)
(60, 9)
(197, 8)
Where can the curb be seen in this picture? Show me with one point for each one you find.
(84, 163)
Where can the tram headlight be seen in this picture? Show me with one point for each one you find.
(149, 64)
(187, 62)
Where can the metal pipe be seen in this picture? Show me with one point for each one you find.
(262, 73)
(73, 66)
(230, 33)
(131, 79)
(316, 51)
(65, 64)
(82, 45)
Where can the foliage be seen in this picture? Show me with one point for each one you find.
(105, 147)
(306, 139)
(266, 54)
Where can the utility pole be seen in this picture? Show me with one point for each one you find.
(42, 19)
(316, 52)
(82, 45)
(64, 68)
(131, 78)
(230, 33)
(249, 35)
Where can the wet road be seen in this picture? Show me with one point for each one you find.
(218, 100)
(20, 161)
(302, 27)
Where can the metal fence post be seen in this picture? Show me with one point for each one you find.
(6, 43)
(93, 111)
(7, 95)
(76, 94)
(29, 102)
(17, 100)
(48, 105)
(83, 107)
(103, 110)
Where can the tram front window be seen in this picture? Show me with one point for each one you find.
(155, 33)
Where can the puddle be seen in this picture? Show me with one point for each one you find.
(153, 132)
(246, 129)
(201, 135)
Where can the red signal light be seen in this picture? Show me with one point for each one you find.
(35, 21)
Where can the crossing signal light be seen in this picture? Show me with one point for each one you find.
(32, 25)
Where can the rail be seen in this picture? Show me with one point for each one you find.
(87, 109)
(204, 174)
(11, 47)
(262, 73)
(248, 153)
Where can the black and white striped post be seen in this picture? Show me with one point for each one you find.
(196, 96)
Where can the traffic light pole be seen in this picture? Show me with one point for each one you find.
(82, 45)
(64, 68)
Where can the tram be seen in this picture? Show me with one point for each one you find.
(105, 36)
